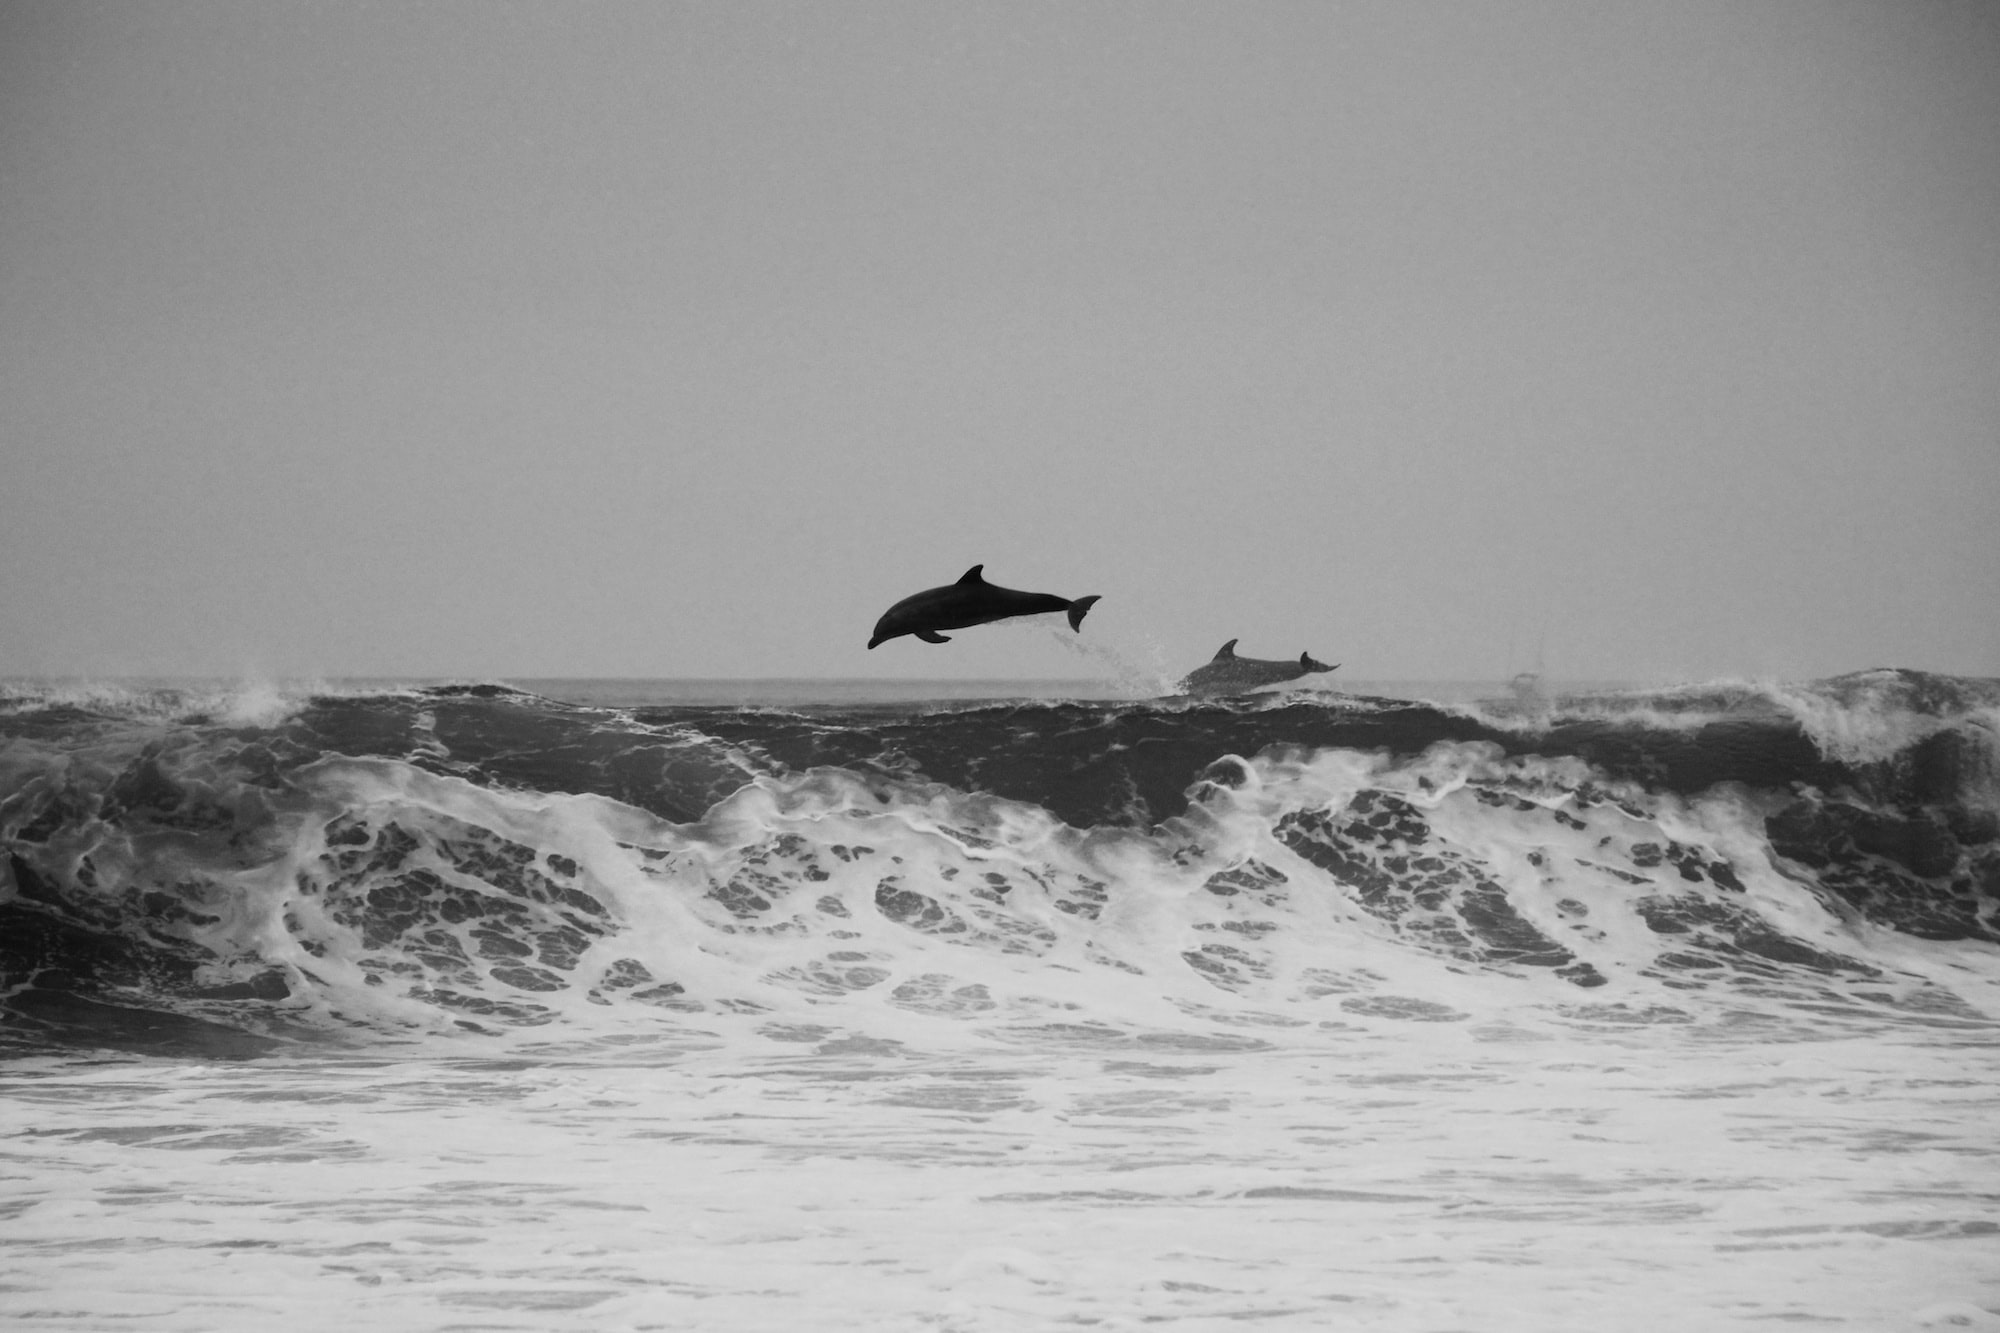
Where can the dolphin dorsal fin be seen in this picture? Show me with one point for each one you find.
(1226, 650)
(973, 575)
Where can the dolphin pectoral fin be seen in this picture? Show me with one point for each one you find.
(931, 635)
(973, 575)
(1227, 650)
(1079, 608)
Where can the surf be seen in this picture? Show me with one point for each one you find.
(504, 862)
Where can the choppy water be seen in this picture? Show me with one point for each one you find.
(460, 1008)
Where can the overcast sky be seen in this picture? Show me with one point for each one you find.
(1654, 340)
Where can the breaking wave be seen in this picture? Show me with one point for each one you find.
(223, 872)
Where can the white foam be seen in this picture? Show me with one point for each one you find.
(923, 915)
(1870, 718)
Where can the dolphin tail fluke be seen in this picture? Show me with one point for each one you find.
(1080, 608)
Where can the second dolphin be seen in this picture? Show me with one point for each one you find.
(1229, 674)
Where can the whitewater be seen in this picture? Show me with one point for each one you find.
(844, 1005)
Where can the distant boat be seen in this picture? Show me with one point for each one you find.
(1525, 698)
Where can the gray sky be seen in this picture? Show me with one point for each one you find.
(667, 339)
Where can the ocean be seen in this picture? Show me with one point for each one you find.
(955, 1006)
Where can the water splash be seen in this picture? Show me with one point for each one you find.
(1138, 681)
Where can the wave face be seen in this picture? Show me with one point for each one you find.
(479, 862)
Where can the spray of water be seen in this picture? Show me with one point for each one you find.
(1135, 680)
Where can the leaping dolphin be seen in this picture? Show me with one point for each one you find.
(970, 601)
(1229, 674)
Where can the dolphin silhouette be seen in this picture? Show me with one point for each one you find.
(970, 601)
(1227, 673)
